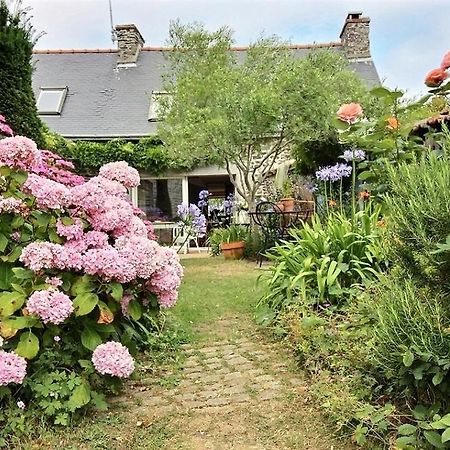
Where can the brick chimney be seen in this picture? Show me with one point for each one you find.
(130, 42)
(355, 36)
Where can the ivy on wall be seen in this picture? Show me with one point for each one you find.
(148, 154)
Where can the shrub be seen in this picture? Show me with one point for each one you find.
(17, 100)
(412, 341)
(419, 215)
(326, 261)
(79, 274)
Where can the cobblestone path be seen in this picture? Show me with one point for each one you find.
(234, 393)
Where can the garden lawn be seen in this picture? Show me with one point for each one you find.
(227, 386)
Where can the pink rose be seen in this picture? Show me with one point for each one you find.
(446, 61)
(349, 112)
(435, 77)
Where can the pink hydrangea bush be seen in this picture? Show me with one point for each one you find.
(80, 266)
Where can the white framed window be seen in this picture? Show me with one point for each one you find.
(154, 113)
(51, 100)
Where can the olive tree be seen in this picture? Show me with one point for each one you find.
(244, 109)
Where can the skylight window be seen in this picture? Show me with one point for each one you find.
(154, 113)
(51, 100)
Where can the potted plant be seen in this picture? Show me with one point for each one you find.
(287, 200)
(233, 241)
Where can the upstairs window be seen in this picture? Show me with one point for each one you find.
(154, 113)
(51, 100)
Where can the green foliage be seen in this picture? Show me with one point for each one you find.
(17, 102)
(148, 154)
(419, 216)
(412, 343)
(387, 135)
(234, 110)
(326, 260)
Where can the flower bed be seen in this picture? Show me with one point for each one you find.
(81, 277)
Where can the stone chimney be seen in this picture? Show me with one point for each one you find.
(129, 42)
(355, 36)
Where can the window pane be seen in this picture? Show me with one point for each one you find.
(50, 101)
(159, 198)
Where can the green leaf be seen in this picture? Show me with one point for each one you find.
(5, 275)
(22, 274)
(408, 358)
(438, 377)
(90, 338)
(83, 285)
(28, 345)
(80, 397)
(434, 438)
(445, 436)
(18, 323)
(406, 429)
(85, 303)
(10, 302)
(116, 291)
(85, 363)
(406, 442)
(3, 242)
(135, 309)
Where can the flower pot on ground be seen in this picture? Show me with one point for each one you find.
(230, 240)
(288, 204)
(233, 250)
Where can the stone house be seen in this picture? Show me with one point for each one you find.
(101, 94)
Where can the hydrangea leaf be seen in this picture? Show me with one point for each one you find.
(28, 345)
(85, 303)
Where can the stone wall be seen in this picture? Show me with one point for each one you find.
(355, 37)
(130, 42)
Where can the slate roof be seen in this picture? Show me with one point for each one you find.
(104, 101)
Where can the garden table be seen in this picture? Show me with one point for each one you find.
(276, 223)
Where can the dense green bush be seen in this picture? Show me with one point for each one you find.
(17, 102)
(412, 341)
(326, 261)
(148, 154)
(419, 215)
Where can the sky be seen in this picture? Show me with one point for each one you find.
(408, 37)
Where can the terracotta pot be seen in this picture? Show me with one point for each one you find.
(280, 206)
(288, 203)
(233, 250)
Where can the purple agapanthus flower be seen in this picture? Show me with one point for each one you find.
(228, 203)
(192, 219)
(356, 155)
(334, 173)
(203, 198)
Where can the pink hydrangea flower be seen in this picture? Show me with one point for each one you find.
(166, 281)
(12, 205)
(54, 281)
(74, 231)
(49, 194)
(120, 171)
(144, 255)
(51, 306)
(13, 368)
(112, 358)
(108, 264)
(124, 302)
(19, 152)
(349, 112)
(6, 129)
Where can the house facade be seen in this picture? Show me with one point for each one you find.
(102, 94)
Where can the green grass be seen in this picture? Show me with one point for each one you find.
(214, 289)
